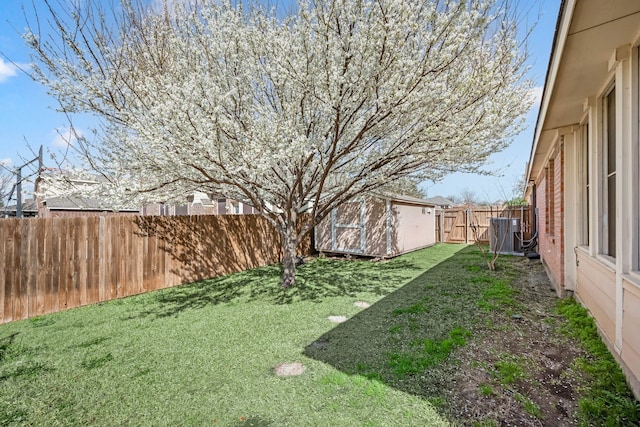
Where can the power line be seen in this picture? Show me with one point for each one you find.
(19, 178)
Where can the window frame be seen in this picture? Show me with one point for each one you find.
(609, 174)
(584, 184)
(634, 173)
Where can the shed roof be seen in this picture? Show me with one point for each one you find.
(406, 199)
(440, 201)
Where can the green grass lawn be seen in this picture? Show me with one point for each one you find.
(203, 354)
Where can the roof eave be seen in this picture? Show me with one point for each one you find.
(565, 14)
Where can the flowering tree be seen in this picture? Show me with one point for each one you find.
(339, 98)
(6, 184)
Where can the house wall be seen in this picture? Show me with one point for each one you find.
(630, 352)
(222, 206)
(577, 250)
(248, 209)
(226, 206)
(190, 208)
(155, 209)
(571, 204)
(595, 290)
(550, 204)
(201, 209)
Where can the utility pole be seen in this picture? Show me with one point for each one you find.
(19, 191)
(19, 178)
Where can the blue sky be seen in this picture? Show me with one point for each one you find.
(28, 118)
(509, 165)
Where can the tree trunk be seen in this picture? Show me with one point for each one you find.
(289, 246)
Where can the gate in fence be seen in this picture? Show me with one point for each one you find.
(471, 224)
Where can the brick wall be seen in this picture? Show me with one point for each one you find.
(551, 241)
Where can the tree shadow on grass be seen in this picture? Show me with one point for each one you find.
(316, 280)
(404, 339)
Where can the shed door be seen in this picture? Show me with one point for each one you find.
(348, 230)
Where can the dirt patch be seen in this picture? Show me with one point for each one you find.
(519, 372)
(362, 304)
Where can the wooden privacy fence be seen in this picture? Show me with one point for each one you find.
(52, 264)
(455, 225)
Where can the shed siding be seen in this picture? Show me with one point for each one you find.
(377, 227)
(410, 229)
(348, 226)
(414, 227)
(322, 235)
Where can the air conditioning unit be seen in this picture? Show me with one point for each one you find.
(502, 235)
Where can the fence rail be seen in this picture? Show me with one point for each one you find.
(52, 264)
(456, 225)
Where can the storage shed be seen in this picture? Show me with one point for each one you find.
(378, 226)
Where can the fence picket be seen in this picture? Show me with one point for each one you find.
(93, 259)
(21, 302)
(54, 269)
(45, 265)
(10, 273)
(3, 272)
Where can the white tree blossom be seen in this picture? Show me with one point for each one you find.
(7, 180)
(340, 98)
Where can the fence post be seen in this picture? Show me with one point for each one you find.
(466, 226)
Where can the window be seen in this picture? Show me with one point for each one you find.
(222, 206)
(609, 158)
(584, 184)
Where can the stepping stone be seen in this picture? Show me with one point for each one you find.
(337, 319)
(289, 369)
(362, 304)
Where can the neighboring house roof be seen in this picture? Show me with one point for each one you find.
(591, 36)
(28, 206)
(53, 197)
(441, 201)
(79, 203)
(200, 197)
